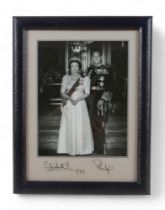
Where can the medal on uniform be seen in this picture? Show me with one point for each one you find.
(101, 84)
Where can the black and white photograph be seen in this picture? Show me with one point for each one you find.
(82, 108)
(82, 98)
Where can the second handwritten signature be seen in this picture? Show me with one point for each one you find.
(101, 166)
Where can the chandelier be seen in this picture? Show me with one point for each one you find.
(78, 46)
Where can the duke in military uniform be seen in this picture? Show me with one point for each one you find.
(97, 102)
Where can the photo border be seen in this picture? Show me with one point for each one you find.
(144, 26)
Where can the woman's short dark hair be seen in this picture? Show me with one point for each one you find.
(74, 61)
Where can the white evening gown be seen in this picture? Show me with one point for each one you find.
(75, 134)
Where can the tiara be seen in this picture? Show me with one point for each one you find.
(74, 59)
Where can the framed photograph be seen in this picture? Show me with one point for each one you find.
(82, 105)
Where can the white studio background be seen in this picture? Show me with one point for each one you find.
(85, 8)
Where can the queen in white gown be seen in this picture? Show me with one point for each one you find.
(75, 134)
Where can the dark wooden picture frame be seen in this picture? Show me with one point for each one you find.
(144, 26)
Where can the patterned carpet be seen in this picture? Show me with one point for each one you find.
(49, 121)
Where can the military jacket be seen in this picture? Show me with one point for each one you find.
(101, 77)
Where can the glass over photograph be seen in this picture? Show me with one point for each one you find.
(82, 98)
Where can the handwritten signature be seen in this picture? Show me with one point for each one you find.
(102, 166)
(61, 166)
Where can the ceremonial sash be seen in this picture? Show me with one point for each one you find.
(71, 91)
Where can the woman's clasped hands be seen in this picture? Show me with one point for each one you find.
(74, 102)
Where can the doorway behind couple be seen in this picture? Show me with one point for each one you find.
(52, 65)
